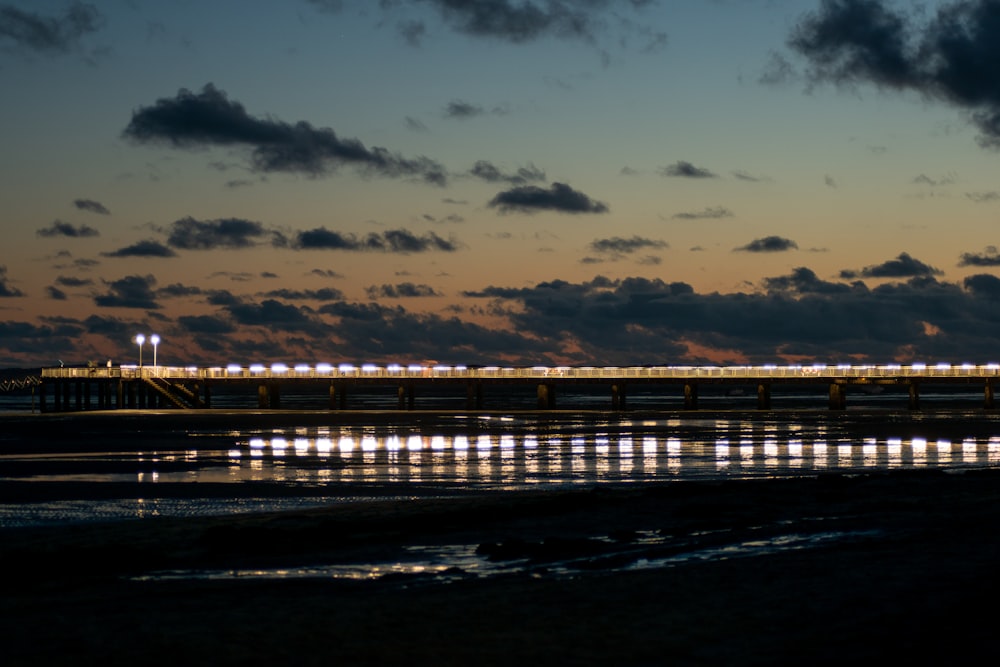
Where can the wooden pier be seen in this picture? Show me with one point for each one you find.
(191, 388)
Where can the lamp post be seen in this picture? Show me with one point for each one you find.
(155, 340)
(140, 339)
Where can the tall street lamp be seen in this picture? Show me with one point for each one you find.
(155, 340)
(140, 339)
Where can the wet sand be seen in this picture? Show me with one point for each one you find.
(911, 577)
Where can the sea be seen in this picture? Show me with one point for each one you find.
(234, 465)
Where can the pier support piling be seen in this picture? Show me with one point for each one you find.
(838, 396)
(546, 396)
(988, 395)
(763, 396)
(618, 397)
(914, 396)
(690, 396)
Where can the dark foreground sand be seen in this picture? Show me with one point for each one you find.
(917, 584)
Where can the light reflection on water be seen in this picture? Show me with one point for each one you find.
(250, 471)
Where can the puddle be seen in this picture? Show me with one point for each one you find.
(441, 564)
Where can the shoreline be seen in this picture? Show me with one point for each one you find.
(912, 588)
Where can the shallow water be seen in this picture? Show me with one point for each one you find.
(201, 471)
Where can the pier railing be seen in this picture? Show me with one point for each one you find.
(415, 372)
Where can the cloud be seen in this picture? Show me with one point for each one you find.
(205, 324)
(231, 233)
(519, 22)
(396, 240)
(683, 169)
(949, 56)
(487, 171)
(713, 212)
(983, 197)
(179, 290)
(60, 228)
(460, 109)
(5, 288)
(48, 35)
(276, 316)
(768, 244)
(803, 280)
(829, 181)
(148, 248)
(989, 257)
(559, 197)
(924, 179)
(746, 176)
(67, 281)
(903, 266)
(322, 294)
(91, 206)
(209, 118)
(619, 245)
(414, 124)
(400, 291)
(129, 292)
(55, 293)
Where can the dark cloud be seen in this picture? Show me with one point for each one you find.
(322, 294)
(460, 109)
(129, 292)
(490, 173)
(519, 22)
(45, 34)
(983, 197)
(804, 281)
(376, 331)
(205, 324)
(276, 316)
(949, 56)
(91, 206)
(768, 244)
(395, 240)
(179, 290)
(619, 245)
(60, 228)
(68, 281)
(148, 248)
(983, 285)
(903, 266)
(231, 233)
(989, 257)
(209, 118)
(650, 321)
(326, 273)
(55, 293)
(400, 291)
(683, 169)
(712, 212)
(5, 287)
(559, 197)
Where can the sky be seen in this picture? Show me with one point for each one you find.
(500, 182)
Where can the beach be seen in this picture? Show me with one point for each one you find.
(912, 578)
(817, 568)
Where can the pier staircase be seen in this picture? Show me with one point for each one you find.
(176, 394)
(12, 384)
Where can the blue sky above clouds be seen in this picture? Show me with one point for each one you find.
(491, 181)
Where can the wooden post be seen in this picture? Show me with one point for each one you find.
(914, 396)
